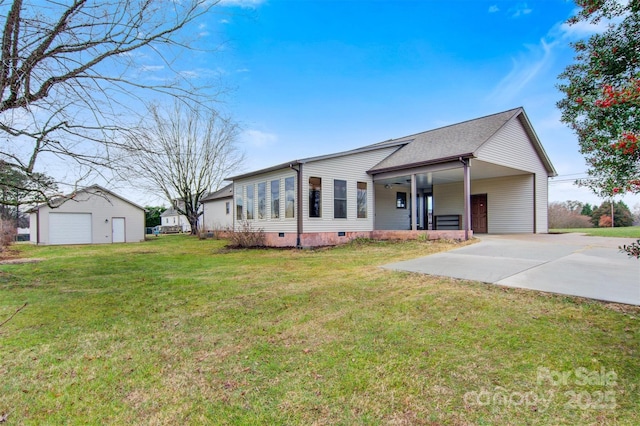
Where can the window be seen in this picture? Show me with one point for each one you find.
(275, 199)
(250, 206)
(227, 207)
(315, 197)
(262, 200)
(239, 207)
(401, 200)
(290, 194)
(339, 199)
(362, 200)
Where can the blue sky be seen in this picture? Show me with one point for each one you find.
(315, 77)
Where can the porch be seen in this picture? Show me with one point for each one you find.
(465, 195)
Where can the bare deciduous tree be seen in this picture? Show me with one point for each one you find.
(185, 153)
(567, 215)
(73, 71)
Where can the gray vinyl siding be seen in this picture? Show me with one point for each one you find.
(352, 168)
(509, 202)
(388, 217)
(448, 199)
(268, 224)
(215, 215)
(511, 147)
(542, 203)
(33, 227)
(103, 208)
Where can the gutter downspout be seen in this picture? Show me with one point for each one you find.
(467, 195)
(299, 204)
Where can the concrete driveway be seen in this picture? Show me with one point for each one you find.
(573, 264)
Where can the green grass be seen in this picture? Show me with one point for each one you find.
(623, 232)
(183, 331)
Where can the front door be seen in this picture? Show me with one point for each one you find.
(479, 213)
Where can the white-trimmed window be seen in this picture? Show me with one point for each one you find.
(315, 197)
(339, 199)
(275, 199)
(250, 201)
(262, 200)
(290, 194)
(361, 198)
(239, 211)
(401, 200)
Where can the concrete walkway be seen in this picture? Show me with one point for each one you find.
(573, 264)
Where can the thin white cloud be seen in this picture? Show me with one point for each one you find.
(257, 138)
(520, 10)
(494, 8)
(242, 3)
(524, 69)
(224, 21)
(190, 74)
(583, 29)
(203, 73)
(151, 68)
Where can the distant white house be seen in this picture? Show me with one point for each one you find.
(218, 209)
(486, 175)
(172, 221)
(93, 215)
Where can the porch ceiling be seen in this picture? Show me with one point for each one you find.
(425, 179)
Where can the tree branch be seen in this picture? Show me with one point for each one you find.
(13, 315)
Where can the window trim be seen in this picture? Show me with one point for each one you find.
(401, 200)
(360, 201)
(291, 179)
(315, 190)
(240, 206)
(273, 199)
(336, 199)
(262, 209)
(251, 199)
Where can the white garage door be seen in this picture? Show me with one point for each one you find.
(70, 228)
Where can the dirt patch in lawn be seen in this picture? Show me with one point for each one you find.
(19, 261)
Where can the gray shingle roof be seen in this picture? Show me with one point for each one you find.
(170, 212)
(93, 189)
(433, 146)
(462, 139)
(225, 192)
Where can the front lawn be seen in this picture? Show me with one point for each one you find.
(182, 331)
(621, 232)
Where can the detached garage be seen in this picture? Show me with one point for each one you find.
(93, 215)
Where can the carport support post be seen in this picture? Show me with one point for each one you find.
(414, 204)
(467, 197)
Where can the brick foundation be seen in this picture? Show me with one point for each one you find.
(320, 239)
(414, 235)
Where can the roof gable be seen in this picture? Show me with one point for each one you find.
(516, 145)
(95, 190)
(446, 143)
